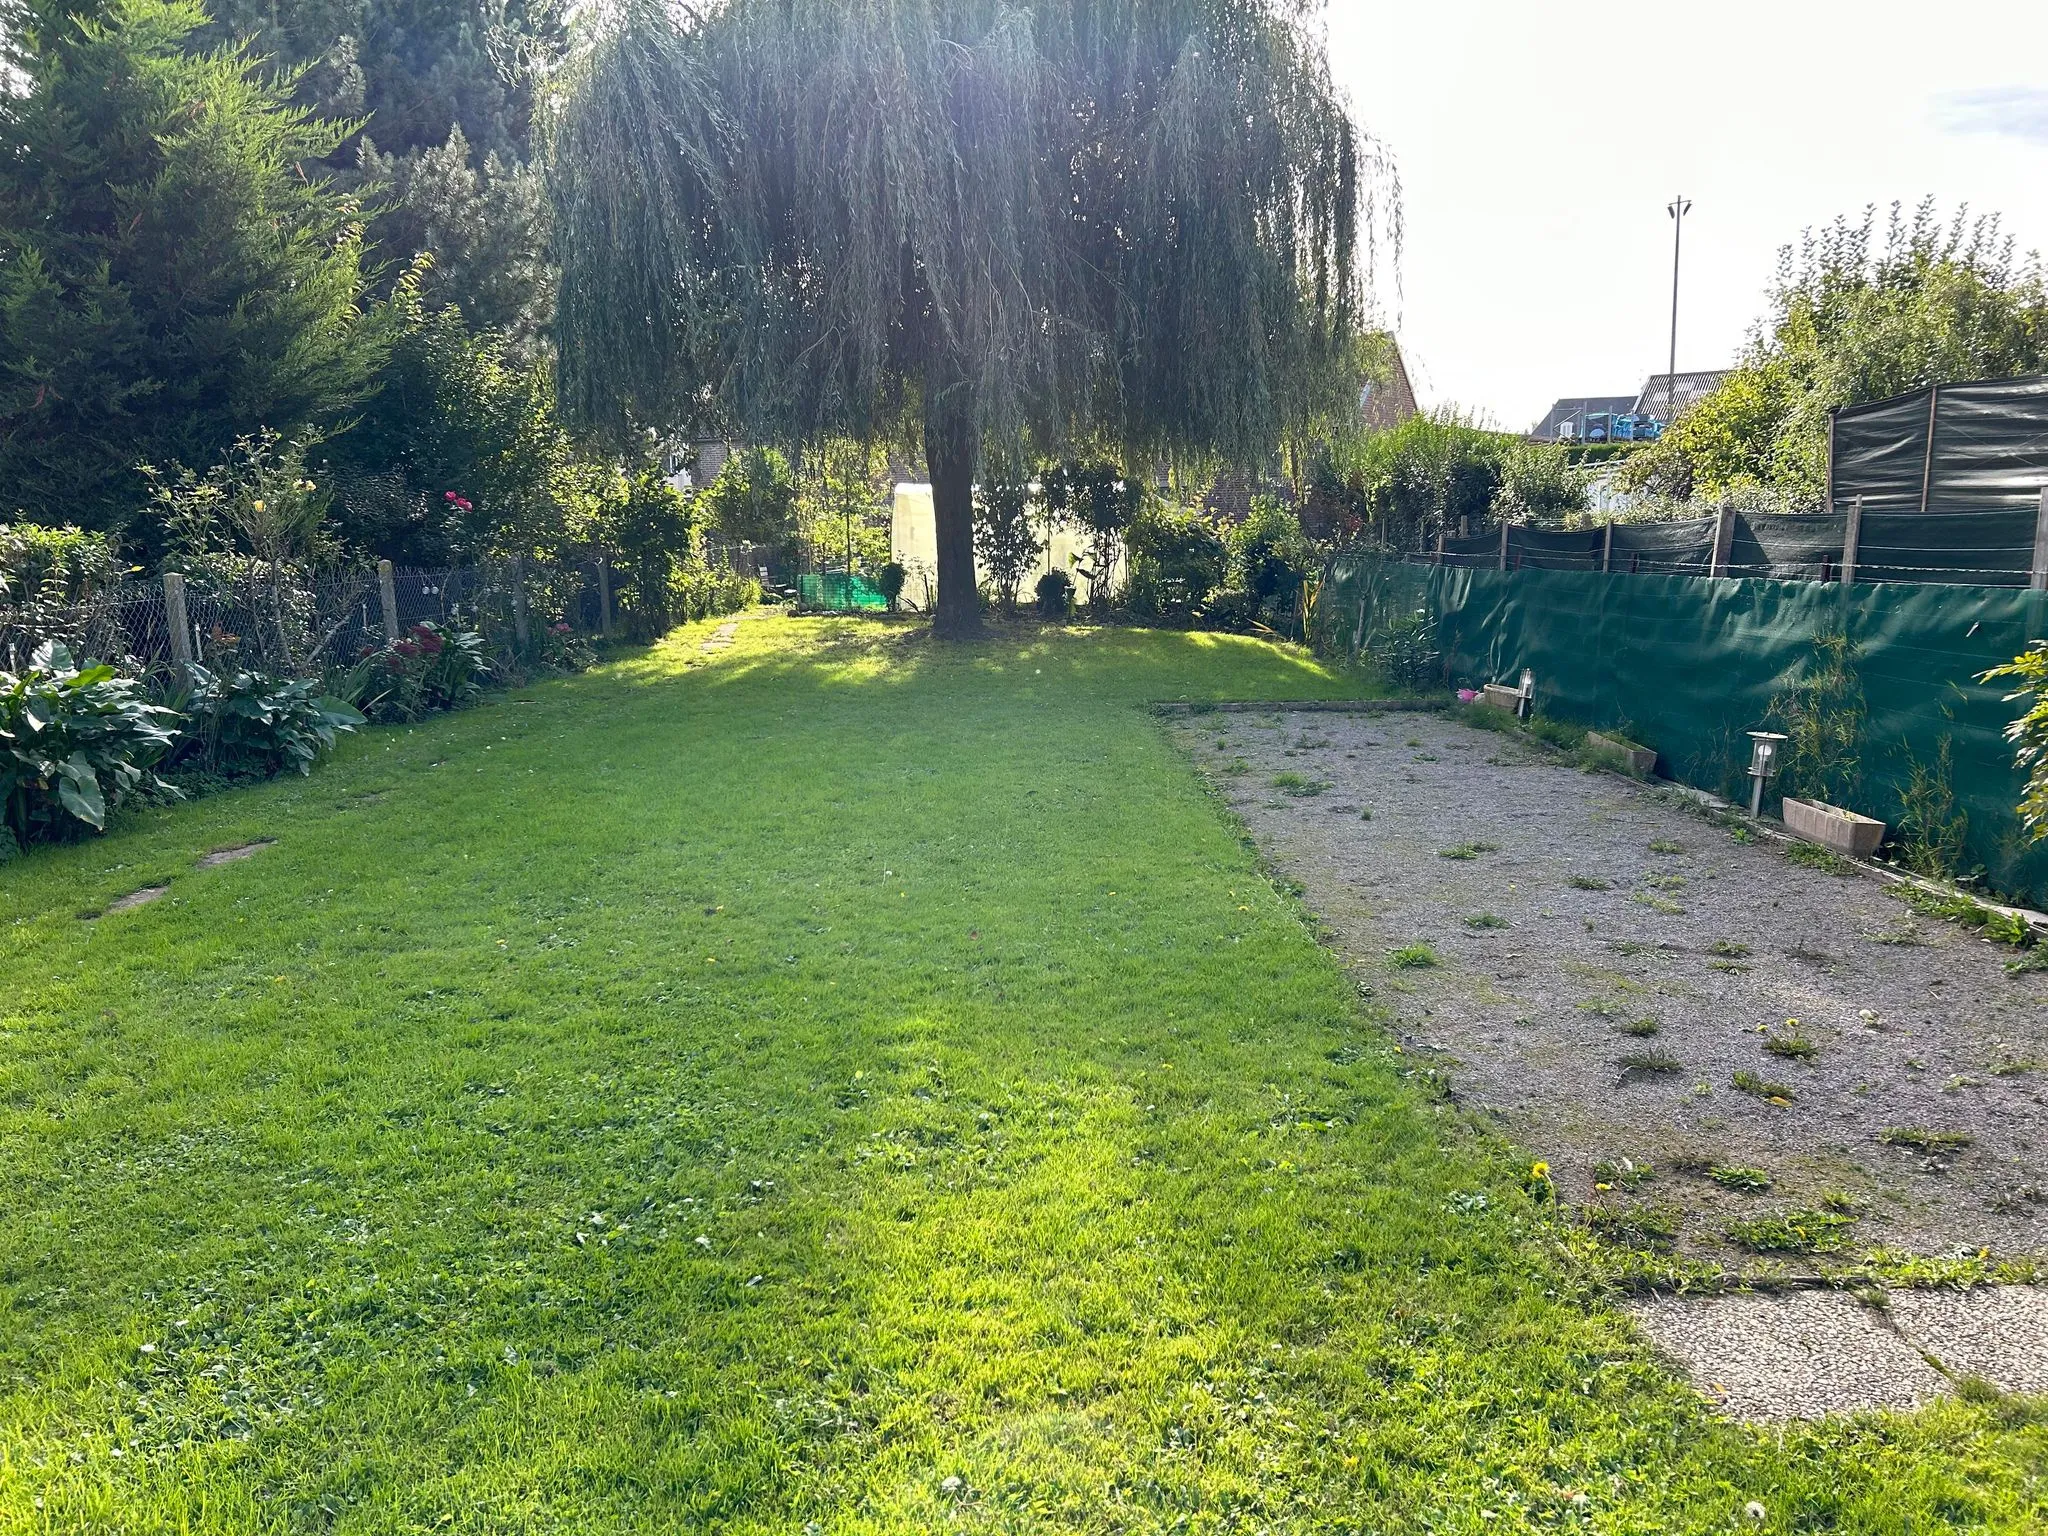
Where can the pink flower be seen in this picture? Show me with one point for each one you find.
(1466, 695)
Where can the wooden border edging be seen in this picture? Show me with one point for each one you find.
(1300, 706)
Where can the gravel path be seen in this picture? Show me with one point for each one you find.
(1607, 962)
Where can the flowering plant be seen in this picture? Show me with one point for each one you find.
(431, 666)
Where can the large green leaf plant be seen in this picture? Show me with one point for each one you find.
(74, 741)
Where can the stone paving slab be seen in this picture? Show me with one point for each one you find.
(1997, 1332)
(721, 637)
(1798, 1356)
(1807, 1354)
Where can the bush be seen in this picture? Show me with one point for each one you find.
(1006, 535)
(432, 667)
(1406, 652)
(74, 741)
(563, 650)
(889, 582)
(1271, 559)
(249, 724)
(1055, 594)
(1177, 560)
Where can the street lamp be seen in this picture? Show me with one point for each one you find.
(1678, 208)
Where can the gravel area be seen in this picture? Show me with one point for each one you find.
(1601, 962)
(1999, 1333)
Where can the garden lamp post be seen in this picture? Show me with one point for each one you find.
(1525, 705)
(1763, 764)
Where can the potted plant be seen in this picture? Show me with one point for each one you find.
(1832, 827)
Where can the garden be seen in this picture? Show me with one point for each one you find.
(778, 1108)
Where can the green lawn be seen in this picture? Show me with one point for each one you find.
(842, 1085)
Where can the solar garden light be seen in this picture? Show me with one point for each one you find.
(1527, 705)
(1763, 764)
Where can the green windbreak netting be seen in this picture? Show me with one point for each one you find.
(836, 589)
(1787, 547)
(1688, 665)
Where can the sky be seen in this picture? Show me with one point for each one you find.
(1537, 146)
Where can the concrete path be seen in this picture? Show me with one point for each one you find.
(721, 637)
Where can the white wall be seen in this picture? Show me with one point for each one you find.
(914, 545)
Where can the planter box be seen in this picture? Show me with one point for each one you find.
(1640, 760)
(1833, 827)
(1509, 699)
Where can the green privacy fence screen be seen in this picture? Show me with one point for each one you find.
(836, 589)
(1687, 664)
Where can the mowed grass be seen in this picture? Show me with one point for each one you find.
(843, 1085)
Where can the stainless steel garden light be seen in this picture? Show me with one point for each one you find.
(1527, 706)
(1763, 764)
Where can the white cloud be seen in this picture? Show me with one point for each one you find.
(2015, 111)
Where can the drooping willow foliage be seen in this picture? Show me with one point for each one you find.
(1140, 223)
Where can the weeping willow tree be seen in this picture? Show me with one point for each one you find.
(1138, 224)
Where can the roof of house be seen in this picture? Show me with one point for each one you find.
(1668, 394)
(1575, 409)
(1389, 401)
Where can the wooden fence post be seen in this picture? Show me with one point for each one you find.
(179, 625)
(1852, 540)
(604, 597)
(1724, 537)
(2040, 581)
(1504, 525)
(1607, 546)
(1439, 543)
(522, 626)
(387, 595)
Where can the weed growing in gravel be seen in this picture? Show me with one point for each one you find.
(1634, 1226)
(1728, 948)
(1238, 766)
(1666, 845)
(1298, 785)
(1734, 967)
(1920, 1139)
(1657, 903)
(1621, 1173)
(1641, 1028)
(1813, 856)
(1751, 1181)
(1651, 1061)
(1604, 1007)
(1792, 1047)
(1484, 920)
(1467, 850)
(1414, 741)
(2013, 1066)
(1365, 814)
(1589, 883)
(1412, 957)
(2035, 959)
(1666, 882)
(1762, 1087)
(1793, 1232)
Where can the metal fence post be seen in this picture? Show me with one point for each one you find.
(1504, 525)
(1724, 537)
(387, 593)
(1852, 540)
(2040, 581)
(1607, 546)
(521, 623)
(604, 597)
(180, 626)
(1439, 543)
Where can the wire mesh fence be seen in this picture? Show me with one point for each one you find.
(300, 623)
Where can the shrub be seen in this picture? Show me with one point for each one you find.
(1406, 651)
(432, 667)
(890, 578)
(74, 741)
(1055, 595)
(1272, 559)
(1006, 536)
(251, 724)
(1177, 560)
(563, 650)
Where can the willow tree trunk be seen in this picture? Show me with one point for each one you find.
(949, 455)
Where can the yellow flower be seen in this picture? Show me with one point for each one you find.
(259, 504)
(1539, 1171)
